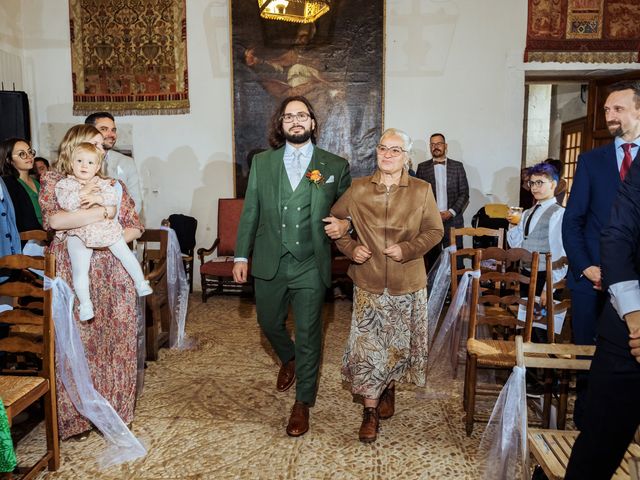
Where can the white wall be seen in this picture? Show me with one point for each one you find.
(453, 66)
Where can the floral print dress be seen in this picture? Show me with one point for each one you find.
(388, 341)
(110, 338)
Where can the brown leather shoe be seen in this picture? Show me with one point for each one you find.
(299, 419)
(369, 428)
(387, 405)
(286, 376)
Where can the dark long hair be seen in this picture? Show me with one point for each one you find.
(6, 151)
(276, 133)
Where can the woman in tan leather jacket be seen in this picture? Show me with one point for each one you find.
(396, 221)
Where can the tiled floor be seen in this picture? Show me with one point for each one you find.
(213, 413)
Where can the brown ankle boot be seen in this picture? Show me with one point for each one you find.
(369, 428)
(387, 405)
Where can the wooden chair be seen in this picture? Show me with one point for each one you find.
(496, 307)
(552, 448)
(42, 236)
(216, 274)
(154, 265)
(455, 234)
(20, 391)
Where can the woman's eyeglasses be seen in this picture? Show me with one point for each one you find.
(393, 151)
(24, 154)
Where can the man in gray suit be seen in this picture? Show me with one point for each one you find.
(449, 183)
(116, 165)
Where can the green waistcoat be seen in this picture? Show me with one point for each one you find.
(296, 218)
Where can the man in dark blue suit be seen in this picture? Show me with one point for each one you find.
(612, 409)
(594, 189)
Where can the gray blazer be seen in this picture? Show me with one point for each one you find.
(457, 188)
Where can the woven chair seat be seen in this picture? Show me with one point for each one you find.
(13, 388)
(495, 353)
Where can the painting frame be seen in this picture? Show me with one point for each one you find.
(338, 63)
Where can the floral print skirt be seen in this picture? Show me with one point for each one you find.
(388, 341)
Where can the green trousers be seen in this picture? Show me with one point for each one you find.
(297, 284)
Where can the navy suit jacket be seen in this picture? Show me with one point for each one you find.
(594, 189)
(620, 248)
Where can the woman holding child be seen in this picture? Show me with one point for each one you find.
(110, 337)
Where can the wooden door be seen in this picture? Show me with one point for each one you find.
(573, 137)
(597, 132)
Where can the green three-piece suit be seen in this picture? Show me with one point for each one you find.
(282, 230)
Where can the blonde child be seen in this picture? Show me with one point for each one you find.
(83, 187)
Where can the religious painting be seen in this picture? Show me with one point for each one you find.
(129, 57)
(593, 31)
(337, 62)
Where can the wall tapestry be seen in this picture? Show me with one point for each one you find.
(593, 31)
(129, 57)
(336, 62)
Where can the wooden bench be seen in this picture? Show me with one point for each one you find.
(552, 448)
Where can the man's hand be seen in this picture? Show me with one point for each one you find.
(446, 215)
(335, 228)
(361, 254)
(633, 322)
(239, 271)
(594, 275)
(394, 252)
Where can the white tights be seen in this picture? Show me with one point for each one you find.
(80, 256)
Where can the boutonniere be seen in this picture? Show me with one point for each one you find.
(315, 177)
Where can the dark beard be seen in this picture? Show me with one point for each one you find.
(299, 138)
(615, 129)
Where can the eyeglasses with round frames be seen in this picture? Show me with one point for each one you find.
(536, 183)
(300, 117)
(394, 151)
(24, 154)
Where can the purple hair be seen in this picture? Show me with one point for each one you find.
(544, 169)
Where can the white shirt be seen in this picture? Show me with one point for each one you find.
(515, 236)
(122, 167)
(625, 297)
(440, 172)
(306, 152)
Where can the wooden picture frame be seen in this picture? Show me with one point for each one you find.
(336, 62)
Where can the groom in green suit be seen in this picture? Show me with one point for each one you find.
(290, 192)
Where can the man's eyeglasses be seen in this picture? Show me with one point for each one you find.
(393, 151)
(536, 183)
(24, 154)
(437, 144)
(300, 117)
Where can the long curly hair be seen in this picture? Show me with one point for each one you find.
(276, 133)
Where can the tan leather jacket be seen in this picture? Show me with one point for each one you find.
(406, 214)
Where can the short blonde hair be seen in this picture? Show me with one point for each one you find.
(84, 147)
(75, 135)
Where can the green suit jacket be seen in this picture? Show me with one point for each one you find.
(259, 234)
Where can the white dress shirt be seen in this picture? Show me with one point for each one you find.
(440, 173)
(290, 164)
(122, 167)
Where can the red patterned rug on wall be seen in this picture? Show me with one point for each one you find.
(129, 57)
(592, 31)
